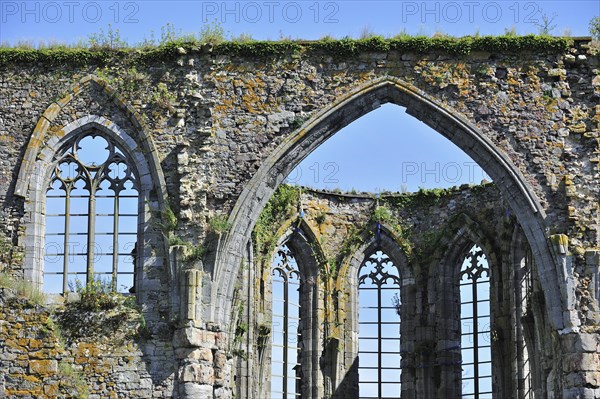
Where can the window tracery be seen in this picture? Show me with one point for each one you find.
(286, 318)
(92, 204)
(475, 318)
(379, 328)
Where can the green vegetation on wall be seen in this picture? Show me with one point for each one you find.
(282, 206)
(347, 47)
(23, 289)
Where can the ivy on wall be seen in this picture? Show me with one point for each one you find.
(281, 206)
(340, 48)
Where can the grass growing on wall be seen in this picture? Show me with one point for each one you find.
(282, 205)
(347, 47)
(23, 289)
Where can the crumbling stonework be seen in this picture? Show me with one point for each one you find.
(44, 357)
(215, 132)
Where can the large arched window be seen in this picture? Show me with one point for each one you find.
(92, 207)
(379, 328)
(475, 325)
(286, 338)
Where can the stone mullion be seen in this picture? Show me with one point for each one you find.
(91, 238)
(115, 243)
(66, 240)
(285, 335)
(475, 333)
(379, 341)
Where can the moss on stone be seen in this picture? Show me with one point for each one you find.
(282, 205)
(342, 48)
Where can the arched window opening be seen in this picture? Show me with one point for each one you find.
(286, 338)
(379, 328)
(476, 351)
(92, 206)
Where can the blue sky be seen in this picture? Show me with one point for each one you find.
(384, 150)
(69, 20)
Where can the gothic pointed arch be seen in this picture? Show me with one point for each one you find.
(462, 231)
(469, 263)
(41, 172)
(291, 300)
(343, 111)
(377, 285)
(47, 131)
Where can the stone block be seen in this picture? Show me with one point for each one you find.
(196, 391)
(43, 367)
(223, 393)
(188, 337)
(197, 372)
(220, 359)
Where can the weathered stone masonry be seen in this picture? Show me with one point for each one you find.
(215, 133)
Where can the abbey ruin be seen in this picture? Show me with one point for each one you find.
(236, 285)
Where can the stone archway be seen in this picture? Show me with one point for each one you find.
(350, 107)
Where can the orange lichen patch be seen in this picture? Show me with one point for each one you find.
(56, 131)
(86, 352)
(578, 128)
(224, 107)
(13, 344)
(7, 139)
(29, 378)
(77, 89)
(65, 100)
(254, 97)
(36, 393)
(51, 390)
(366, 76)
(39, 130)
(52, 111)
(551, 105)
(445, 74)
(43, 367)
(578, 114)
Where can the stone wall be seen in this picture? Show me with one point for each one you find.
(220, 128)
(69, 353)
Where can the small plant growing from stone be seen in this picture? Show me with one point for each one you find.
(212, 33)
(111, 39)
(73, 379)
(98, 294)
(144, 331)
(242, 38)
(194, 252)
(163, 98)
(23, 289)
(382, 214)
(595, 28)
(320, 219)
(219, 224)
(397, 304)
(546, 26)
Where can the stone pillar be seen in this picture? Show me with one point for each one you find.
(191, 282)
(560, 245)
(592, 260)
(204, 368)
(580, 364)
